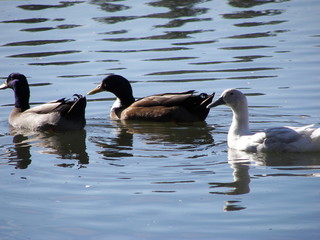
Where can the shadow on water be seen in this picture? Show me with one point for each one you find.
(67, 145)
(288, 164)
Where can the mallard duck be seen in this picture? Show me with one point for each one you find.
(63, 114)
(179, 107)
(279, 139)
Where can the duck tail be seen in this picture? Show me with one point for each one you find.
(315, 137)
(77, 110)
(207, 101)
(200, 108)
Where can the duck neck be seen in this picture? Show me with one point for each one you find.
(21, 95)
(125, 99)
(240, 120)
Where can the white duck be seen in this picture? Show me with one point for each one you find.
(279, 139)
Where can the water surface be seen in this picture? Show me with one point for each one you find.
(140, 180)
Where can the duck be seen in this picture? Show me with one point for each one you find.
(165, 107)
(277, 139)
(59, 115)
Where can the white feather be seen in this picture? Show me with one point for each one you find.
(279, 139)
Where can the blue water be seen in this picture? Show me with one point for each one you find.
(160, 180)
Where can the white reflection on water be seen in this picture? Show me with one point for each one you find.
(285, 164)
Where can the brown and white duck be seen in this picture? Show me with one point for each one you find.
(178, 107)
(59, 115)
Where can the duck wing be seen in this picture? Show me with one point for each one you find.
(180, 107)
(287, 139)
(74, 105)
(165, 99)
(63, 114)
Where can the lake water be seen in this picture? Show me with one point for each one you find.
(154, 180)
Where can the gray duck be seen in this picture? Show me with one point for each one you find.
(59, 115)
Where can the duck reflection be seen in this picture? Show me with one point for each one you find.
(116, 145)
(66, 145)
(19, 155)
(197, 133)
(241, 177)
(275, 159)
(241, 161)
(121, 143)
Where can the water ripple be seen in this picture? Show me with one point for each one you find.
(43, 54)
(38, 42)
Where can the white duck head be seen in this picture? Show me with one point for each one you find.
(237, 101)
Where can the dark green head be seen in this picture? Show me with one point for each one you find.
(19, 84)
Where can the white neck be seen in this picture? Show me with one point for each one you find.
(116, 104)
(240, 120)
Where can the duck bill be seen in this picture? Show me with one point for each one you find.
(3, 86)
(96, 90)
(218, 102)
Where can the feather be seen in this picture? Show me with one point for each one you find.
(279, 139)
(62, 114)
(180, 106)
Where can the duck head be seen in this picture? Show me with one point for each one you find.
(19, 84)
(15, 80)
(231, 98)
(117, 85)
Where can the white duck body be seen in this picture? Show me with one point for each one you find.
(279, 139)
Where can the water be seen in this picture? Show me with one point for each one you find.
(153, 180)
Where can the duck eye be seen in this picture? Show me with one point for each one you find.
(231, 93)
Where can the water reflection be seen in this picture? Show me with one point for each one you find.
(241, 178)
(251, 3)
(109, 6)
(27, 20)
(37, 42)
(306, 160)
(186, 134)
(36, 7)
(252, 14)
(67, 145)
(288, 164)
(43, 54)
(116, 146)
(177, 11)
(20, 156)
(59, 27)
(189, 137)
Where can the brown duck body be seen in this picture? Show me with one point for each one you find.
(179, 107)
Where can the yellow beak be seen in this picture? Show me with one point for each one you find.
(96, 90)
(3, 86)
